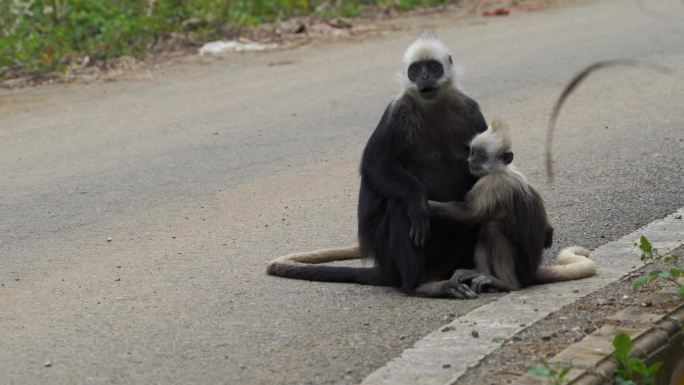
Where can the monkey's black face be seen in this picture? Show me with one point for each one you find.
(426, 75)
(481, 163)
(477, 161)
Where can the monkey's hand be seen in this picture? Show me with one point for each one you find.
(419, 216)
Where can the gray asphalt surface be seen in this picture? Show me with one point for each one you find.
(204, 173)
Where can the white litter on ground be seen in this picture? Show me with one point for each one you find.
(221, 46)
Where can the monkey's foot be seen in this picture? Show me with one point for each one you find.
(464, 276)
(489, 283)
(480, 283)
(460, 290)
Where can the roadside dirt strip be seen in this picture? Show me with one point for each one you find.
(656, 337)
(444, 355)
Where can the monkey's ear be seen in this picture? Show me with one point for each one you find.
(507, 157)
(498, 125)
(450, 60)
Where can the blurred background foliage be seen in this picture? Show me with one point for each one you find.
(42, 36)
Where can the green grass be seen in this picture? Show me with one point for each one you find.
(42, 36)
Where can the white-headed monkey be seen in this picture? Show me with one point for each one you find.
(416, 153)
(513, 225)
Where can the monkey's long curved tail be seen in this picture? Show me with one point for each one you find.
(307, 266)
(571, 263)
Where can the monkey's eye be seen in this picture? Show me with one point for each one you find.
(413, 71)
(477, 155)
(434, 67)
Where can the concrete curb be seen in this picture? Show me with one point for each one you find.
(443, 356)
(652, 334)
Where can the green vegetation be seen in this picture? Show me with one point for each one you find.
(632, 370)
(673, 273)
(555, 373)
(41, 36)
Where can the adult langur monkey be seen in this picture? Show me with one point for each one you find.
(514, 227)
(417, 152)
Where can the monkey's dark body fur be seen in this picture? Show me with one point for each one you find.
(417, 152)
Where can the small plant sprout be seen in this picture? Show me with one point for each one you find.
(632, 370)
(498, 340)
(554, 372)
(672, 274)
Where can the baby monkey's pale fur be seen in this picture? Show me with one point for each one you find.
(514, 227)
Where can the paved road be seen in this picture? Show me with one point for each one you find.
(205, 172)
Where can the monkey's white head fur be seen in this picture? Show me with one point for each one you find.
(492, 143)
(428, 47)
(495, 140)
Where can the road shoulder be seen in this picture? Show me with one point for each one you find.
(445, 355)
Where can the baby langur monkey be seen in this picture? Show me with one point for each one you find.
(514, 227)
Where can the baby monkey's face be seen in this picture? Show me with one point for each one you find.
(482, 162)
